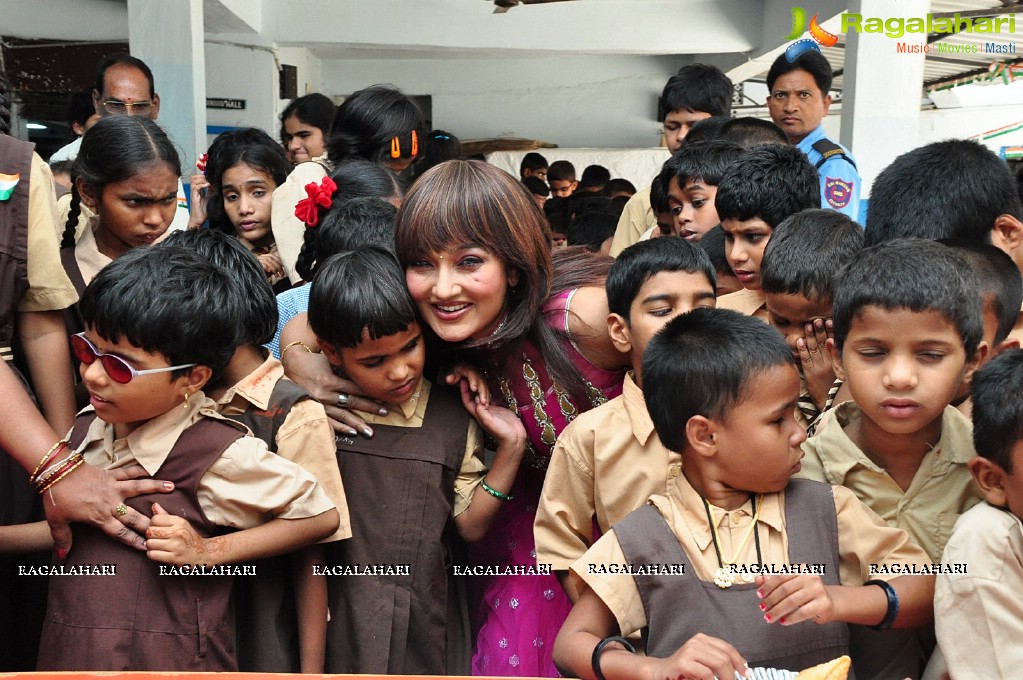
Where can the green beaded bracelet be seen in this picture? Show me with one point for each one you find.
(494, 492)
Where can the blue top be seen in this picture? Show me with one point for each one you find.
(290, 304)
(840, 182)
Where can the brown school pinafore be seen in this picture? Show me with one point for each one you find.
(21, 599)
(400, 490)
(680, 606)
(138, 619)
(265, 613)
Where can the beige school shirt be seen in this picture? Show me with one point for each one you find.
(605, 464)
(940, 492)
(305, 437)
(48, 286)
(863, 539)
(245, 487)
(979, 615)
(745, 301)
(637, 217)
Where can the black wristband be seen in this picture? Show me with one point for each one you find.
(599, 649)
(893, 604)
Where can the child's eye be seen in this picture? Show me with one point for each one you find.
(932, 356)
(676, 211)
(729, 238)
(755, 238)
(411, 346)
(699, 203)
(660, 311)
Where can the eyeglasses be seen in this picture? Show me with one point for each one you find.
(119, 370)
(117, 106)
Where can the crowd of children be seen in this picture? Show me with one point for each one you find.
(371, 415)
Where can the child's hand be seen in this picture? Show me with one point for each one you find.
(469, 374)
(815, 359)
(794, 598)
(197, 206)
(172, 540)
(701, 656)
(499, 422)
(271, 264)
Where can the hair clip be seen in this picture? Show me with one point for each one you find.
(395, 147)
(200, 164)
(317, 196)
(415, 143)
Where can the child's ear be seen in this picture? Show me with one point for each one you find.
(1007, 344)
(89, 196)
(976, 361)
(332, 356)
(990, 477)
(700, 436)
(618, 329)
(836, 359)
(196, 378)
(1007, 235)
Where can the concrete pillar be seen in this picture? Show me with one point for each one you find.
(168, 35)
(881, 89)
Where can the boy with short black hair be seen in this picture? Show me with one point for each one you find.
(608, 461)
(690, 179)
(421, 472)
(594, 178)
(907, 324)
(984, 598)
(593, 230)
(282, 616)
(733, 506)
(561, 179)
(761, 188)
(533, 165)
(147, 352)
(797, 276)
(695, 93)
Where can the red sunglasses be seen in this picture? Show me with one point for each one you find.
(119, 370)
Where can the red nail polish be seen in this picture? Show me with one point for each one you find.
(782, 620)
(763, 607)
(760, 595)
(61, 553)
(767, 617)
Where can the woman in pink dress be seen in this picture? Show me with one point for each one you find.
(476, 252)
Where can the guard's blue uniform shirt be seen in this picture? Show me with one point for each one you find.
(840, 182)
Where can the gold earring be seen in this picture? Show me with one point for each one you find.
(185, 405)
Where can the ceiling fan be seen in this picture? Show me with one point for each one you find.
(505, 5)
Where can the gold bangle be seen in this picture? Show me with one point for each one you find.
(292, 344)
(50, 455)
(53, 483)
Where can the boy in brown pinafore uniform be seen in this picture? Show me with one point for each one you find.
(388, 584)
(738, 563)
(145, 355)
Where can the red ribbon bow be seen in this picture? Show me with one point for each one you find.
(318, 195)
(200, 164)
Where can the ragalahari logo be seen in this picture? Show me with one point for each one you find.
(818, 36)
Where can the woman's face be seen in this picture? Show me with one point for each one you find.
(303, 142)
(460, 291)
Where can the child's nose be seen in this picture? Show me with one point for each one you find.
(899, 373)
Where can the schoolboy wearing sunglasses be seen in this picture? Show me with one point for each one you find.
(159, 324)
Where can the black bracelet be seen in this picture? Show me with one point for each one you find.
(599, 649)
(893, 604)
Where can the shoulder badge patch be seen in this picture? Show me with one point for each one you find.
(837, 192)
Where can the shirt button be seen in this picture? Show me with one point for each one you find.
(675, 470)
(736, 519)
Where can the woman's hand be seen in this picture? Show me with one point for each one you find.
(197, 206)
(311, 371)
(92, 496)
(472, 377)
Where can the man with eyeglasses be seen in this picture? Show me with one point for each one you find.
(124, 86)
(798, 100)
